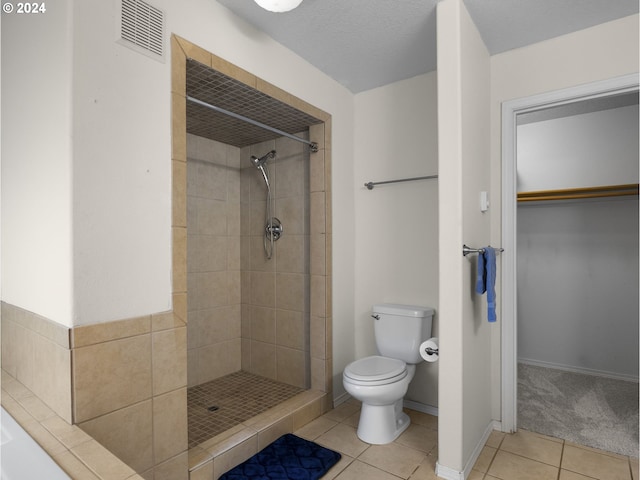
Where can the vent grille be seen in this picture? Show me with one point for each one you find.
(142, 25)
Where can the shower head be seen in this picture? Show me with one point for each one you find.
(258, 162)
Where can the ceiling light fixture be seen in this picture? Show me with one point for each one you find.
(278, 5)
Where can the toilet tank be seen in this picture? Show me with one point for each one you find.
(400, 329)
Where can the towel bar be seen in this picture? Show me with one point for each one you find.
(466, 250)
(370, 185)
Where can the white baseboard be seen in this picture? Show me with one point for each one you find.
(451, 474)
(585, 371)
(448, 473)
(421, 407)
(340, 399)
(493, 425)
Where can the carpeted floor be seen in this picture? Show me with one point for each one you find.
(598, 412)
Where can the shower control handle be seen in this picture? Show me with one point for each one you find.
(273, 228)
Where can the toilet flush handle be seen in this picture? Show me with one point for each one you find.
(431, 351)
(377, 317)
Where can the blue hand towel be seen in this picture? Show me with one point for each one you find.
(490, 281)
(486, 279)
(481, 275)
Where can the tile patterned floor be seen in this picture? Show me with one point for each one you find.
(521, 456)
(238, 397)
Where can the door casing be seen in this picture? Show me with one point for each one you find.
(510, 110)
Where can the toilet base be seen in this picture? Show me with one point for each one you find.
(381, 424)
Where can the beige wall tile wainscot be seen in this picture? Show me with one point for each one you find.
(37, 352)
(130, 381)
(126, 432)
(169, 424)
(169, 359)
(75, 451)
(98, 373)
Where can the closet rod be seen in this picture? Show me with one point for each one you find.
(579, 193)
(370, 185)
(313, 146)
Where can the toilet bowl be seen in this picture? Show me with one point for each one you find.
(381, 381)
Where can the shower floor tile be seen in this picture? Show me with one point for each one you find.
(225, 402)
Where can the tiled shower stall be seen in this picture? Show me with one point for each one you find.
(246, 311)
(247, 314)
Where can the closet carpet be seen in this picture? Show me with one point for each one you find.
(598, 412)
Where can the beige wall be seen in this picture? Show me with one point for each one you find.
(397, 225)
(463, 107)
(37, 260)
(476, 379)
(597, 53)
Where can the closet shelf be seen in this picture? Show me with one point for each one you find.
(576, 193)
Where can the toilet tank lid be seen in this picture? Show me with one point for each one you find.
(403, 310)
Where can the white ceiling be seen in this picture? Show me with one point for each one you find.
(364, 44)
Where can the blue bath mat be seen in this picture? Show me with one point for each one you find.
(288, 458)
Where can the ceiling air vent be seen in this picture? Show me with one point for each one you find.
(142, 28)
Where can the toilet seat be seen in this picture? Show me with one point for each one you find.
(375, 370)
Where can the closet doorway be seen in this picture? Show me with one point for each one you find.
(570, 289)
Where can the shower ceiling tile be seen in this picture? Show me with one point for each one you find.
(215, 88)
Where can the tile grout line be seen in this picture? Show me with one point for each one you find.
(561, 459)
(493, 457)
(425, 455)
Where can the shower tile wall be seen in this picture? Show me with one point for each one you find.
(213, 259)
(275, 293)
(244, 311)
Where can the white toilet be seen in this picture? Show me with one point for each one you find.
(380, 382)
